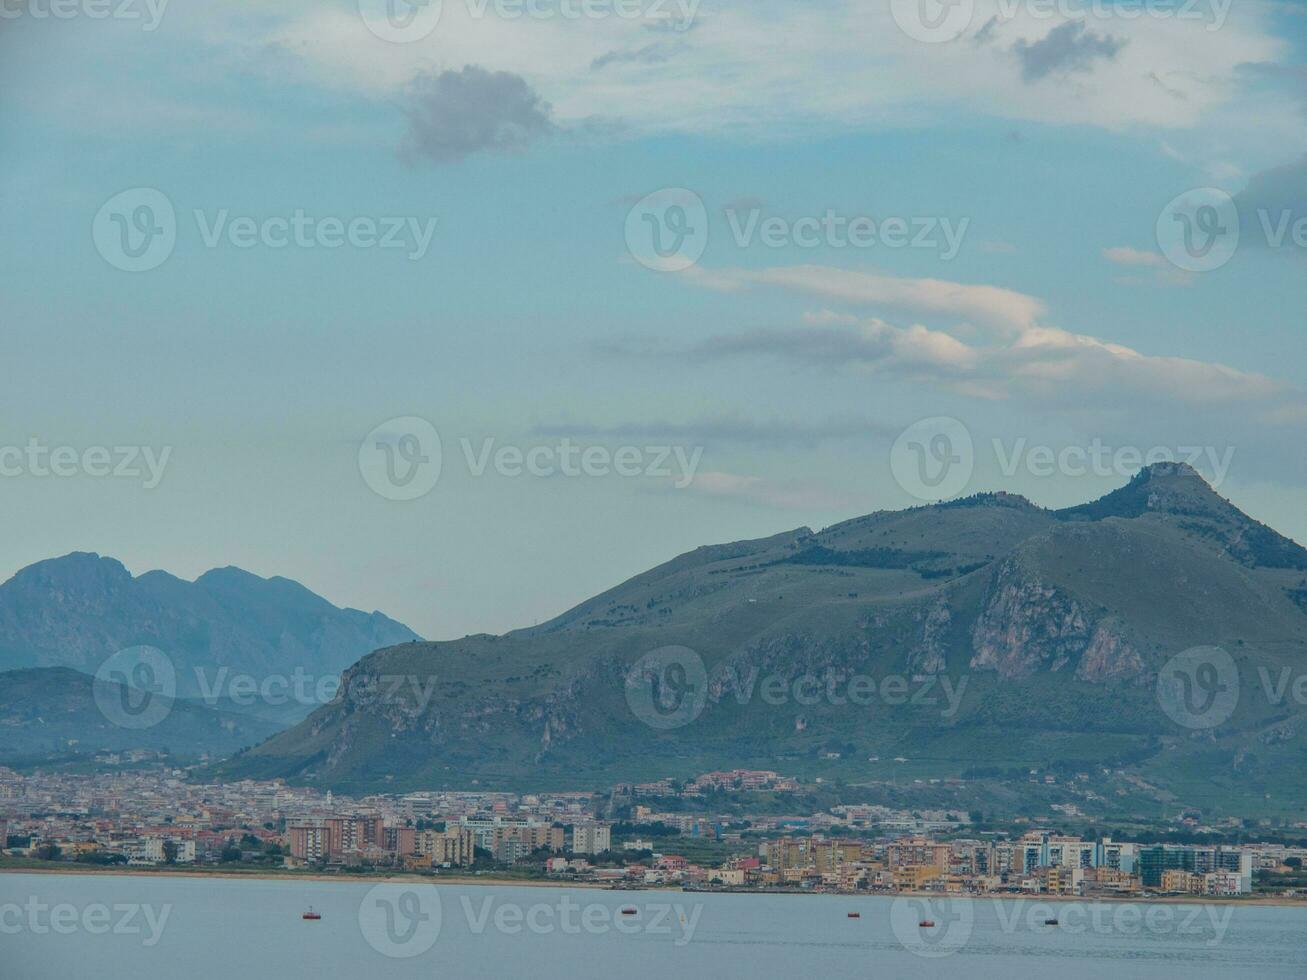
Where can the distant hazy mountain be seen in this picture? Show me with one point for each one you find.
(78, 610)
(1058, 622)
(52, 715)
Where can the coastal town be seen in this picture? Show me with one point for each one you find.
(157, 819)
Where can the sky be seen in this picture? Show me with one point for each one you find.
(468, 311)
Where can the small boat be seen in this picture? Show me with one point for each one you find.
(630, 910)
(855, 915)
(1050, 922)
(926, 924)
(311, 916)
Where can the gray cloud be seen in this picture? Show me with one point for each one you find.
(457, 113)
(1271, 203)
(1066, 48)
(771, 433)
(986, 33)
(650, 54)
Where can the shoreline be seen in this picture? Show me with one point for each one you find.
(1271, 901)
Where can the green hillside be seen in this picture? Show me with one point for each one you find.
(1011, 638)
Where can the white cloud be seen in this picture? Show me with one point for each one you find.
(1163, 271)
(840, 63)
(1017, 354)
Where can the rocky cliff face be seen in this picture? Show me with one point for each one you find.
(1028, 625)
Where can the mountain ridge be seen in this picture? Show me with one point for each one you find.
(1059, 621)
(78, 609)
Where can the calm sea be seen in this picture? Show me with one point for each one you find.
(64, 927)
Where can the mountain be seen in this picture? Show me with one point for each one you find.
(54, 715)
(78, 610)
(1001, 638)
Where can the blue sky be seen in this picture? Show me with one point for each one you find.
(1054, 141)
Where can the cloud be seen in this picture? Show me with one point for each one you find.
(650, 54)
(1002, 309)
(1066, 48)
(850, 67)
(1163, 271)
(769, 434)
(1017, 356)
(455, 114)
(1270, 205)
